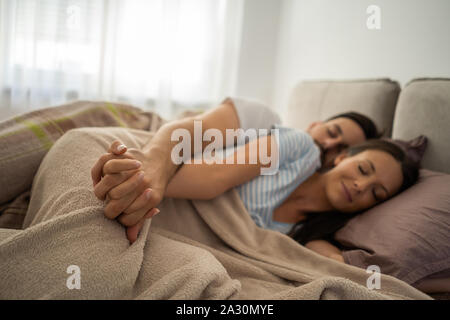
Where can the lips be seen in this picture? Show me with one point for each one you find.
(346, 192)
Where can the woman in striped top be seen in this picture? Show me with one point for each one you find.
(362, 177)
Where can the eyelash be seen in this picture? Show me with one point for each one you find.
(373, 191)
(331, 134)
(361, 170)
(375, 196)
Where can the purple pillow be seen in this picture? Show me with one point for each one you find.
(414, 148)
(407, 236)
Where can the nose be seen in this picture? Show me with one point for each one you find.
(361, 185)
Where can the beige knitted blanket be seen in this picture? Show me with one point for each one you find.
(191, 250)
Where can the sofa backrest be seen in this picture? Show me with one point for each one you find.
(318, 100)
(424, 108)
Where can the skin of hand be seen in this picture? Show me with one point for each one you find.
(131, 185)
(326, 249)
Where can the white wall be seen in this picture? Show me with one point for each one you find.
(286, 41)
(259, 43)
(326, 39)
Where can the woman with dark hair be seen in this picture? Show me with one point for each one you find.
(316, 231)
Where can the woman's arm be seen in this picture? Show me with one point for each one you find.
(160, 147)
(438, 285)
(326, 249)
(206, 181)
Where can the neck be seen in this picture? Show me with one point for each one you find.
(310, 195)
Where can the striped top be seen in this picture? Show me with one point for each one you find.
(299, 158)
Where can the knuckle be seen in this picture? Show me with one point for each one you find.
(98, 190)
(108, 181)
(156, 198)
(109, 212)
(112, 209)
(137, 179)
(97, 193)
(146, 181)
(126, 220)
(109, 166)
(114, 194)
(104, 157)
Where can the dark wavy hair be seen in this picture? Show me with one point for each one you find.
(324, 225)
(366, 124)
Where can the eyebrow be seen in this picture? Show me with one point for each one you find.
(338, 128)
(373, 168)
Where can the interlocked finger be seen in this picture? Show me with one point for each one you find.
(140, 202)
(110, 181)
(131, 218)
(97, 169)
(119, 165)
(127, 186)
(115, 207)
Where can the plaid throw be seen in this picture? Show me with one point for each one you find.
(25, 139)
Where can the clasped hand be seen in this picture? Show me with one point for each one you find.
(129, 182)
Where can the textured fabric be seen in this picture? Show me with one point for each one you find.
(299, 158)
(424, 109)
(25, 139)
(414, 148)
(191, 250)
(319, 100)
(408, 236)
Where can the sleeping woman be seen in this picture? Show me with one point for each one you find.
(301, 199)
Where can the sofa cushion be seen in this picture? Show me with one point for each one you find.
(424, 109)
(318, 100)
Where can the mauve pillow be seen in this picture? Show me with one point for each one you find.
(407, 236)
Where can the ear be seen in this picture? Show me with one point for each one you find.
(340, 157)
(313, 124)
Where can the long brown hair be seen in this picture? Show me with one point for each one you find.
(325, 224)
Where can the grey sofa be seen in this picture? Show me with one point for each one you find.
(422, 106)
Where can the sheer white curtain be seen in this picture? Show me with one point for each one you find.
(156, 54)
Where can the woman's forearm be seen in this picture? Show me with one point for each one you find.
(159, 149)
(208, 180)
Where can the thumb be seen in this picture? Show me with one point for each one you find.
(117, 148)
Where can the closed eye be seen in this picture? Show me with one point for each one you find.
(331, 133)
(375, 195)
(361, 170)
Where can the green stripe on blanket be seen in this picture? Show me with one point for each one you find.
(38, 132)
(116, 115)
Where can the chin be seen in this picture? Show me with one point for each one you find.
(337, 202)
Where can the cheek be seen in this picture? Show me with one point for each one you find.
(317, 134)
(335, 197)
(365, 202)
